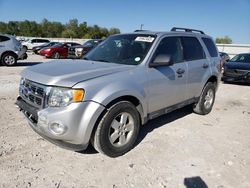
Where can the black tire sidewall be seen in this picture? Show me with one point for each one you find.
(104, 127)
(8, 54)
(208, 86)
(54, 55)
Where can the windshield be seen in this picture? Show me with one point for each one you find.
(58, 45)
(128, 49)
(242, 58)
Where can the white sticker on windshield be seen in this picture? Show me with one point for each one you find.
(145, 39)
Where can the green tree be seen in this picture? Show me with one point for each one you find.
(13, 28)
(83, 29)
(113, 31)
(3, 27)
(224, 40)
(49, 29)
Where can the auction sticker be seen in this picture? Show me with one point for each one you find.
(145, 39)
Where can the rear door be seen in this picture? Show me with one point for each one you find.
(167, 84)
(198, 66)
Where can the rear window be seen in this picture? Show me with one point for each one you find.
(192, 49)
(4, 38)
(211, 47)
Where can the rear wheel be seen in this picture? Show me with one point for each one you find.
(117, 130)
(206, 101)
(9, 59)
(56, 55)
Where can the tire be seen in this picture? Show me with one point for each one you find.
(9, 59)
(117, 131)
(206, 100)
(56, 55)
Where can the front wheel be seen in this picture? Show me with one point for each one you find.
(56, 55)
(206, 101)
(118, 130)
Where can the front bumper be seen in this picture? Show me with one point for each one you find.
(236, 78)
(79, 118)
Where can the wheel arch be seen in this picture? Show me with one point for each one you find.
(7, 52)
(130, 98)
(213, 79)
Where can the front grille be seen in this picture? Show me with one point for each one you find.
(33, 93)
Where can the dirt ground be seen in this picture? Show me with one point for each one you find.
(178, 150)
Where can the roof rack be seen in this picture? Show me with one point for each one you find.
(138, 30)
(187, 30)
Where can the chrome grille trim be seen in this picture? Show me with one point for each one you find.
(33, 93)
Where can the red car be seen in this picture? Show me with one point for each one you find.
(57, 51)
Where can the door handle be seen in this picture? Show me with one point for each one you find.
(205, 65)
(180, 71)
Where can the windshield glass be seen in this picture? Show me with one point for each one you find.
(128, 49)
(58, 45)
(242, 58)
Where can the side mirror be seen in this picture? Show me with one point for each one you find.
(161, 60)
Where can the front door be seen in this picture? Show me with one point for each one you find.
(167, 84)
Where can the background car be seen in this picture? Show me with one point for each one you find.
(34, 42)
(57, 51)
(81, 50)
(10, 50)
(37, 48)
(224, 58)
(237, 69)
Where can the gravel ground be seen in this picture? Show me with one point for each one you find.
(180, 149)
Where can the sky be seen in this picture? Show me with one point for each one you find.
(217, 18)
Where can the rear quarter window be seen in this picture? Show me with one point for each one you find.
(192, 49)
(210, 47)
(4, 38)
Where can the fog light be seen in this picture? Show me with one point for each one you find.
(57, 128)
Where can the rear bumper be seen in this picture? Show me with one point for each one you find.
(79, 118)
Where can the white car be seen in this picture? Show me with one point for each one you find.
(34, 42)
(10, 50)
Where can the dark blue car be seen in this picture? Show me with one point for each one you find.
(237, 69)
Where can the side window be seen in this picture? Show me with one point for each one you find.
(33, 41)
(211, 47)
(4, 38)
(170, 46)
(192, 49)
(40, 41)
(44, 40)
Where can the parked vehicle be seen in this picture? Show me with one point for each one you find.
(38, 48)
(81, 50)
(224, 56)
(237, 69)
(34, 42)
(120, 85)
(57, 51)
(10, 50)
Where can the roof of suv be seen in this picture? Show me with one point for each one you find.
(174, 30)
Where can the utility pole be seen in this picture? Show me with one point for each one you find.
(141, 26)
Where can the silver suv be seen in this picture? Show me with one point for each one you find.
(10, 50)
(124, 82)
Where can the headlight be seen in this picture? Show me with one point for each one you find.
(79, 49)
(63, 96)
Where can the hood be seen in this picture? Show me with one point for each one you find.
(67, 73)
(237, 65)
